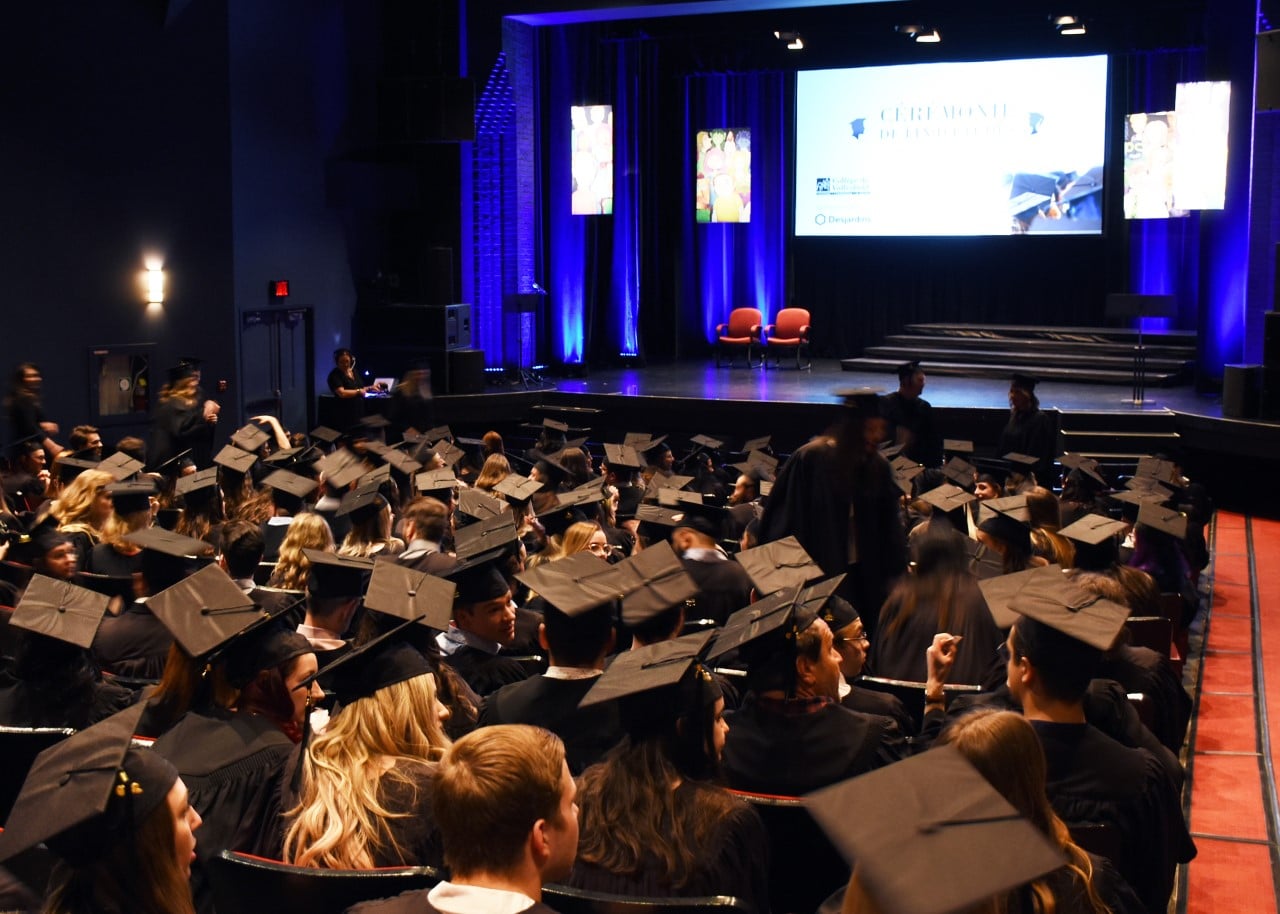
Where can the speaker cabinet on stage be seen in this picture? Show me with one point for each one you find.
(1241, 391)
(1271, 339)
(466, 371)
(1269, 408)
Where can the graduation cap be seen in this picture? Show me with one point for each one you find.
(342, 467)
(448, 452)
(650, 668)
(235, 460)
(1093, 529)
(1141, 497)
(375, 477)
(674, 481)
(706, 441)
(575, 583)
(326, 434)
(376, 665)
(1157, 469)
(337, 576)
(493, 532)
(69, 468)
(203, 484)
(820, 600)
(290, 483)
(435, 480)
(410, 595)
(1086, 465)
(61, 610)
(756, 444)
(401, 462)
(622, 455)
(121, 466)
(166, 542)
(1014, 506)
(1024, 381)
(865, 400)
(205, 610)
(672, 498)
(262, 647)
(249, 437)
(947, 497)
(585, 494)
(653, 581)
(1060, 602)
(959, 471)
(642, 441)
(555, 425)
(172, 465)
(998, 591)
(957, 446)
(778, 565)
(361, 503)
(477, 504)
(517, 487)
(131, 497)
(1014, 532)
(86, 794)
(931, 835)
(376, 447)
(438, 433)
(773, 618)
(284, 457)
(984, 562)
(629, 498)
(478, 578)
(376, 422)
(904, 477)
(1166, 520)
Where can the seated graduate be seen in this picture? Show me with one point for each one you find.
(53, 680)
(232, 758)
(202, 508)
(932, 836)
(1092, 777)
(307, 533)
(791, 735)
(120, 850)
(577, 633)
(115, 555)
(335, 585)
(427, 523)
(484, 621)
(289, 492)
(852, 644)
(365, 789)
(942, 595)
(504, 803)
(136, 643)
(723, 585)
(84, 510)
(1005, 750)
(686, 835)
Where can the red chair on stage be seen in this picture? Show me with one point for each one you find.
(790, 330)
(742, 331)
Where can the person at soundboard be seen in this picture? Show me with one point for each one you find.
(342, 380)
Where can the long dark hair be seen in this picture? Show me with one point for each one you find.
(140, 876)
(941, 573)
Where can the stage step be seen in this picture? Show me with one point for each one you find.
(1031, 356)
(1003, 370)
(1066, 334)
(1124, 350)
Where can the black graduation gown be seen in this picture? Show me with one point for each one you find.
(914, 418)
(134, 643)
(177, 428)
(868, 701)
(811, 500)
(231, 764)
(1035, 434)
(106, 559)
(794, 754)
(415, 902)
(272, 537)
(734, 862)
(1140, 669)
(724, 587)
(437, 563)
(484, 672)
(1093, 778)
(23, 706)
(899, 652)
(552, 704)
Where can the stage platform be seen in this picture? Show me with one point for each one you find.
(1238, 459)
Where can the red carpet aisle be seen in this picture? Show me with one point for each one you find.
(1231, 757)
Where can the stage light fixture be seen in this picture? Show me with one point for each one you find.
(919, 33)
(929, 37)
(792, 40)
(1068, 25)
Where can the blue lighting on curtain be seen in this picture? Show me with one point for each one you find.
(568, 233)
(624, 290)
(740, 265)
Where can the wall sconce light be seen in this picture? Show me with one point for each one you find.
(154, 280)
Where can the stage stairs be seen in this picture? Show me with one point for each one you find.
(1100, 355)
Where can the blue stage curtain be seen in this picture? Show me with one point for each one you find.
(738, 265)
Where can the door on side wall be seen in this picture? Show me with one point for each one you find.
(277, 366)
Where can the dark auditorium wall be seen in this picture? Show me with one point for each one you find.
(114, 145)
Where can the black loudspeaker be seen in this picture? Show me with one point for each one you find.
(466, 371)
(1269, 407)
(1271, 339)
(439, 278)
(1241, 391)
(1267, 89)
(437, 109)
(414, 327)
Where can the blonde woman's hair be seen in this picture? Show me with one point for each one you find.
(340, 821)
(74, 506)
(308, 531)
(183, 390)
(578, 537)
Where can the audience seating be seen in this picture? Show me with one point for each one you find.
(16, 573)
(262, 574)
(32, 868)
(244, 883)
(579, 901)
(1146, 710)
(804, 866)
(1154, 632)
(743, 331)
(790, 330)
(19, 747)
(911, 694)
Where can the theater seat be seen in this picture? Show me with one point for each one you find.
(797, 845)
(579, 901)
(743, 331)
(245, 883)
(790, 330)
(19, 747)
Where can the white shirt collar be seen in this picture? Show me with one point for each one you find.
(571, 672)
(451, 898)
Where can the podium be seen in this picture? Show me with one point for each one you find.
(1123, 304)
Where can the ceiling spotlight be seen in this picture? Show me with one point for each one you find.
(796, 45)
(929, 37)
(1068, 25)
(919, 33)
(792, 39)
